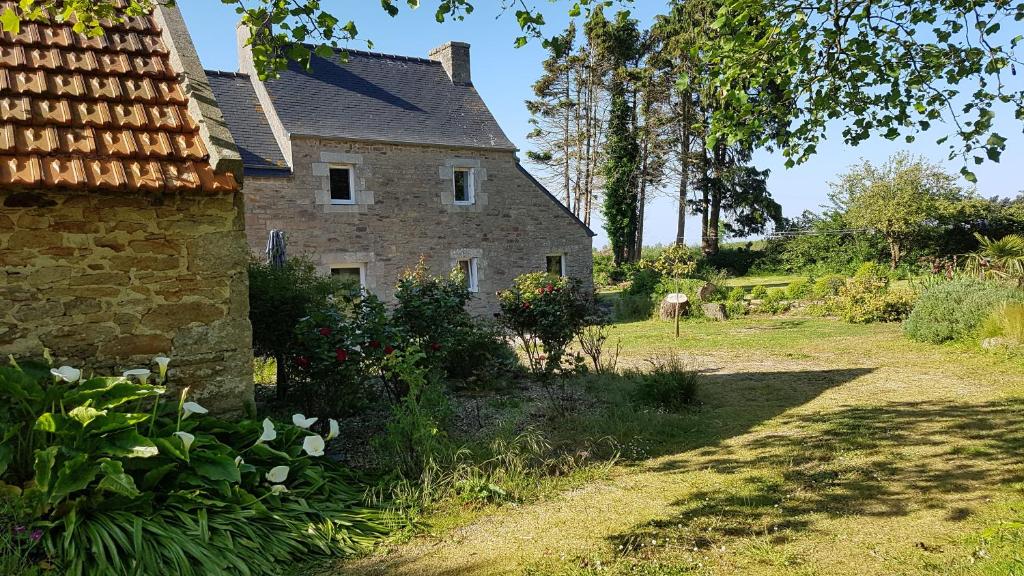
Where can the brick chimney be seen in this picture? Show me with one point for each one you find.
(454, 57)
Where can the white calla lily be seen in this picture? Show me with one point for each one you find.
(278, 474)
(334, 431)
(186, 439)
(239, 461)
(269, 434)
(162, 362)
(278, 489)
(67, 374)
(142, 374)
(313, 445)
(301, 421)
(190, 408)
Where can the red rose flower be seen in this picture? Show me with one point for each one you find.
(341, 355)
(526, 305)
(435, 346)
(549, 288)
(325, 331)
(302, 362)
(388, 349)
(374, 344)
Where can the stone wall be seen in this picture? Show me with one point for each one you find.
(107, 281)
(404, 209)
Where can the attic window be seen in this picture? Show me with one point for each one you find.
(462, 180)
(342, 185)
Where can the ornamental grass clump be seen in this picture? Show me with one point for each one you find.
(120, 479)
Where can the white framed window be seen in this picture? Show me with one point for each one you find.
(342, 184)
(468, 267)
(463, 185)
(556, 264)
(350, 273)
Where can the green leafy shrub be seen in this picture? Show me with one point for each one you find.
(828, 286)
(773, 302)
(415, 431)
(279, 297)
(545, 312)
(338, 349)
(669, 384)
(605, 272)
(736, 294)
(867, 297)
(1006, 322)
(798, 289)
(758, 292)
(955, 309)
(630, 307)
(643, 281)
(736, 308)
(120, 481)
(432, 310)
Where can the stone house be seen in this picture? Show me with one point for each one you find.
(370, 164)
(121, 216)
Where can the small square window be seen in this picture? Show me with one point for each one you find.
(342, 185)
(556, 264)
(463, 183)
(468, 267)
(354, 274)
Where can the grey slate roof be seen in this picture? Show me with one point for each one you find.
(247, 122)
(385, 98)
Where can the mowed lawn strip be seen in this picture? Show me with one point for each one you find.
(819, 448)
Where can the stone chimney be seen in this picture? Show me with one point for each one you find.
(454, 57)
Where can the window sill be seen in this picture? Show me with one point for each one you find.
(343, 202)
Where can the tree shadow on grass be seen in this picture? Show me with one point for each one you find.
(884, 461)
(731, 404)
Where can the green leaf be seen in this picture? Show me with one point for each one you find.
(76, 474)
(116, 421)
(170, 446)
(128, 444)
(85, 415)
(154, 476)
(115, 480)
(6, 455)
(968, 175)
(44, 467)
(215, 467)
(106, 393)
(10, 20)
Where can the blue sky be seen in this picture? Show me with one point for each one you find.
(503, 75)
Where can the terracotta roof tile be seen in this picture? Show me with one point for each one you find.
(116, 143)
(63, 172)
(11, 56)
(36, 140)
(105, 174)
(98, 112)
(15, 108)
(7, 138)
(57, 36)
(51, 111)
(77, 140)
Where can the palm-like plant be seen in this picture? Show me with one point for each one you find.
(1001, 259)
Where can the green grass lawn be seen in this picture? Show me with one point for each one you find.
(748, 282)
(819, 448)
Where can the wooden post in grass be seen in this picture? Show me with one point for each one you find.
(676, 262)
